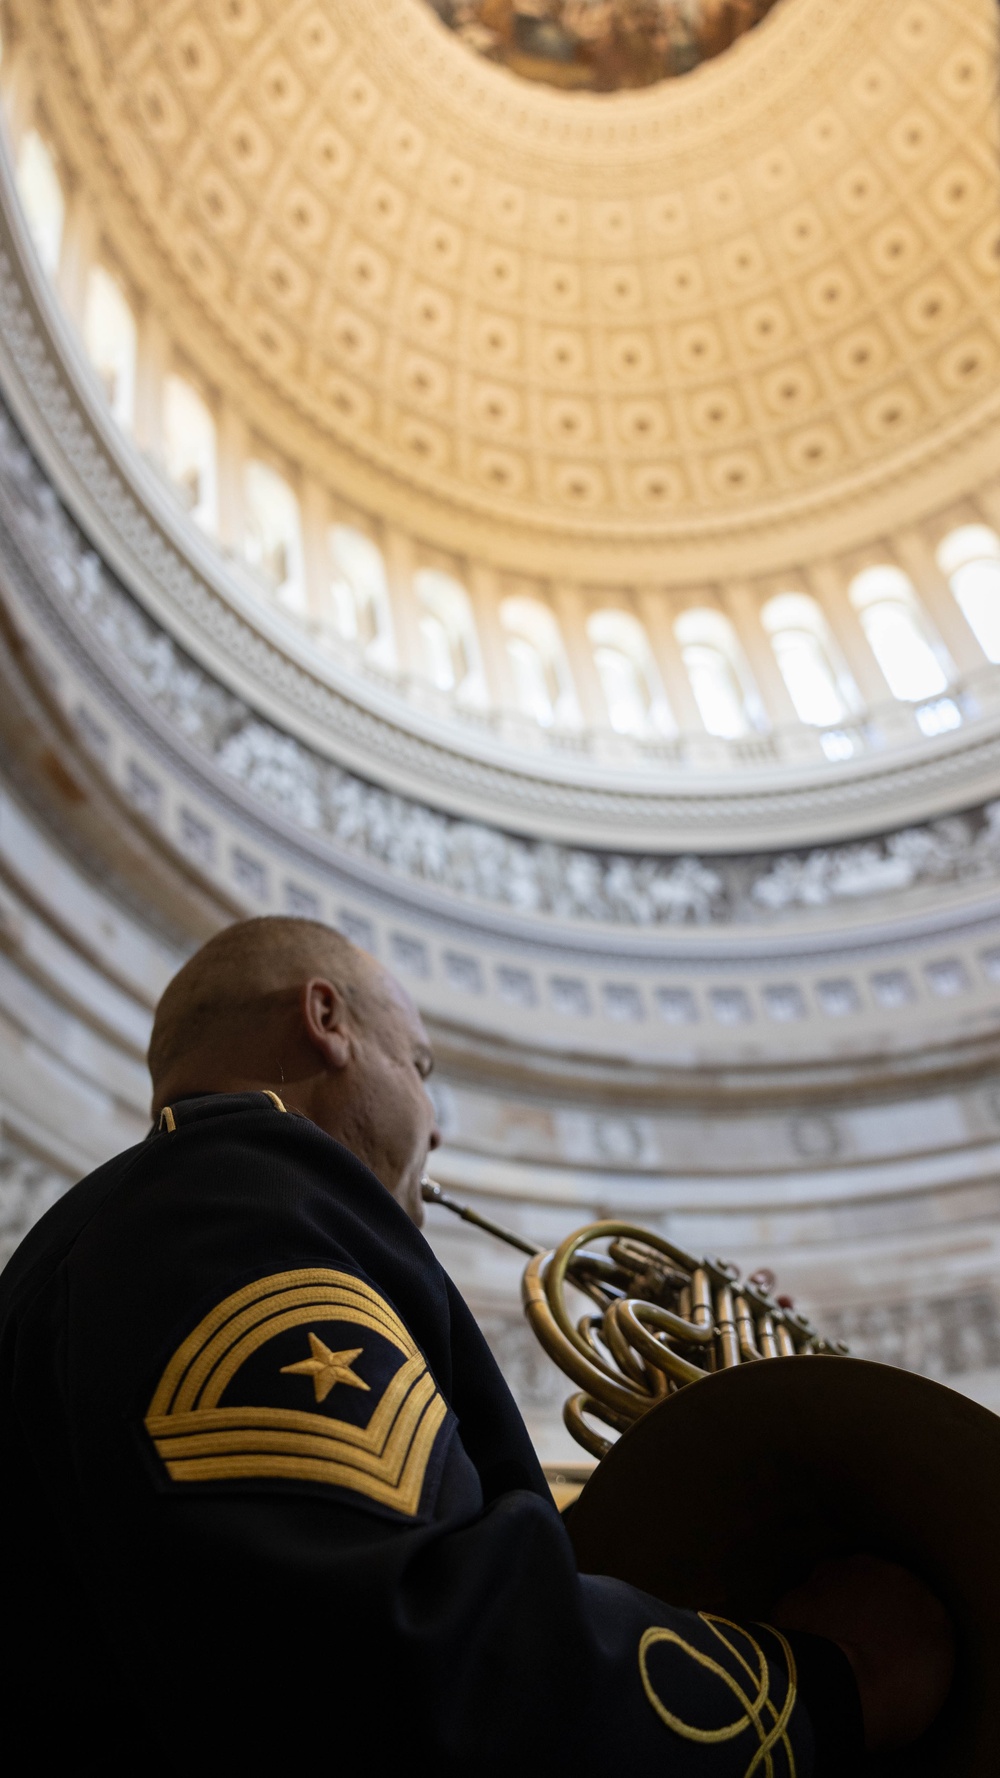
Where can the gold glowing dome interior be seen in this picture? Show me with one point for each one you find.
(600, 46)
(541, 325)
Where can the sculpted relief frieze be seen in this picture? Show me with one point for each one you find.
(471, 860)
(347, 717)
(944, 1337)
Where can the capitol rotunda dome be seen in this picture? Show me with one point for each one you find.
(520, 482)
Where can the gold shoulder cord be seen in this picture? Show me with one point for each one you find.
(753, 1707)
(168, 1123)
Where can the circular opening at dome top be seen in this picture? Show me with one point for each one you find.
(601, 46)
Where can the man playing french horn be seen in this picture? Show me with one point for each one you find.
(272, 1506)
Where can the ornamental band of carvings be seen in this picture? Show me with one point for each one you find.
(149, 559)
(468, 859)
(944, 1337)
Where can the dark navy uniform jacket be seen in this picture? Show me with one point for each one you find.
(268, 1504)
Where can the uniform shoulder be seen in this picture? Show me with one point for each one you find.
(262, 1304)
(242, 1157)
(233, 1189)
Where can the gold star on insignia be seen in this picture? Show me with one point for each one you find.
(327, 1368)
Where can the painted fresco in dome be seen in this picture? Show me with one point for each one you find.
(600, 45)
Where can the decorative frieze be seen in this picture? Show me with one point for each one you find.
(944, 1336)
(471, 860)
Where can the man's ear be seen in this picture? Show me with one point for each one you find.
(324, 1016)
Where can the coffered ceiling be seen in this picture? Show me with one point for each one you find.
(547, 320)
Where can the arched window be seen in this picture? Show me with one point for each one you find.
(629, 678)
(805, 654)
(711, 655)
(541, 675)
(359, 591)
(42, 199)
(448, 633)
(109, 335)
(273, 534)
(885, 601)
(189, 448)
(970, 557)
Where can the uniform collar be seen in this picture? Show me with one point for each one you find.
(181, 1112)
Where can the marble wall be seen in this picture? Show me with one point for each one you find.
(790, 1058)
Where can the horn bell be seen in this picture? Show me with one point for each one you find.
(728, 1493)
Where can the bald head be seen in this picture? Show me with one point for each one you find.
(292, 1006)
(226, 991)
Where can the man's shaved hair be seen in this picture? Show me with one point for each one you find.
(240, 970)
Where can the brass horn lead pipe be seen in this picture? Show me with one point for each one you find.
(432, 1193)
(584, 1368)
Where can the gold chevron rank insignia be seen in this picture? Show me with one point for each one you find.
(303, 1377)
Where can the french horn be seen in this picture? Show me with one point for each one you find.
(664, 1319)
(737, 1468)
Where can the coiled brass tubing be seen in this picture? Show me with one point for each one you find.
(660, 1320)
